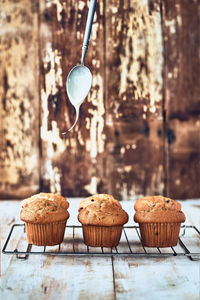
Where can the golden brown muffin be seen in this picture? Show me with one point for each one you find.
(158, 209)
(45, 217)
(103, 212)
(44, 208)
(159, 219)
(102, 218)
(96, 198)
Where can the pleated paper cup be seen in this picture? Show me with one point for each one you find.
(159, 234)
(45, 234)
(102, 236)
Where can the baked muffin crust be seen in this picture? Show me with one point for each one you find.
(103, 211)
(98, 197)
(44, 208)
(158, 209)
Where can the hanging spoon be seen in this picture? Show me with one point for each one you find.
(79, 80)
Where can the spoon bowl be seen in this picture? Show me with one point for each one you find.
(79, 82)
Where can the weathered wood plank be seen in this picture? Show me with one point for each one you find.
(9, 215)
(184, 158)
(181, 55)
(164, 279)
(118, 145)
(59, 277)
(69, 164)
(181, 26)
(91, 278)
(50, 277)
(19, 105)
(134, 144)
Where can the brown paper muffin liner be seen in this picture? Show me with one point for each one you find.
(102, 236)
(45, 234)
(159, 234)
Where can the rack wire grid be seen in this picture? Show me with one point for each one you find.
(130, 244)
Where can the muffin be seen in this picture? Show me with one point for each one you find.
(45, 216)
(102, 219)
(159, 220)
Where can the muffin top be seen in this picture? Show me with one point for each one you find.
(97, 198)
(101, 210)
(44, 208)
(158, 209)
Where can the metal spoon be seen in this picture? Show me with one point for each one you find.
(79, 80)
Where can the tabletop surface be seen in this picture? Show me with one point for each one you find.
(91, 277)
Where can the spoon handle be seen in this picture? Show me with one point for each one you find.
(88, 29)
(77, 115)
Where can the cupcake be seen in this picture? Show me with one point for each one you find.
(45, 216)
(159, 220)
(102, 219)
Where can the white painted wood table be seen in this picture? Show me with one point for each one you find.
(91, 277)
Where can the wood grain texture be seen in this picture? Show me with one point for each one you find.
(181, 26)
(19, 105)
(139, 128)
(50, 277)
(133, 71)
(69, 164)
(131, 275)
(122, 117)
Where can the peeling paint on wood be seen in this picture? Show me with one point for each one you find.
(50, 277)
(134, 63)
(138, 131)
(134, 57)
(181, 97)
(19, 106)
(72, 160)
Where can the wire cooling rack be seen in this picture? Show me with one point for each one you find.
(130, 244)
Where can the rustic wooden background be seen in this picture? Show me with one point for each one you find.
(139, 128)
